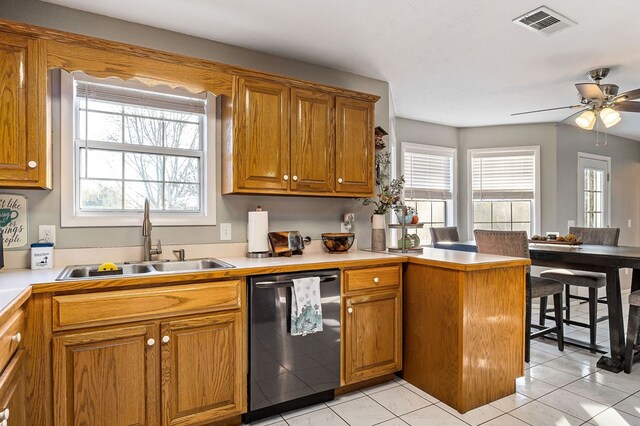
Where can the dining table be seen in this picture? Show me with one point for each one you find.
(595, 258)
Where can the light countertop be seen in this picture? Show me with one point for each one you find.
(16, 284)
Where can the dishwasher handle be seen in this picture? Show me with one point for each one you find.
(289, 283)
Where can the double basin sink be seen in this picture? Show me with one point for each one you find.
(75, 272)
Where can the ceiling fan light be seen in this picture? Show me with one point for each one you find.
(609, 117)
(586, 120)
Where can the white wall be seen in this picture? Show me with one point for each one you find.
(311, 216)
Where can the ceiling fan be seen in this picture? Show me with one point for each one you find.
(600, 100)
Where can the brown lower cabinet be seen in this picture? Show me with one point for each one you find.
(179, 372)
(202, 369)
(372, 324)
(12, 392)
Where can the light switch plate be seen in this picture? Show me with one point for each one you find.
(225, 231)
(47, 234)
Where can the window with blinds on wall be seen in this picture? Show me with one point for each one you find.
(133, 144)
(504, 189)
(429, 185)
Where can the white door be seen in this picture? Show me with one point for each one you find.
(594, 189)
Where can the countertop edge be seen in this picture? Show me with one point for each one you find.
(16, 295)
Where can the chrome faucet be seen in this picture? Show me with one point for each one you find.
(146, 234)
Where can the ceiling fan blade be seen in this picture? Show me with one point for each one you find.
(630, 95)
(627, 106)
(590, 91)
(547, 109)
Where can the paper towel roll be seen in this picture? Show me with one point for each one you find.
(257, 230)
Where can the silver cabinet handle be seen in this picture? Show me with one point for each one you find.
(32, 164)
(376, 279)
(350, 310)
(17, 338)
(339, 180)
(151, 342)
(295, 178)
(285, 177)
(165, 339)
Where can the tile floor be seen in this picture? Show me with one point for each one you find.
(559, 388)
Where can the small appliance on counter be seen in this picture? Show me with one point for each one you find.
(286, 243)
(257, 230)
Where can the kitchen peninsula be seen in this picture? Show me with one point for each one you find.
(463, 324)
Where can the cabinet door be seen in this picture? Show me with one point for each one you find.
(373, 335)
(354, 146)
(12, 392)
(107, 377)
(23, 156)
(312, 141)
(203, 369)
(262, 144)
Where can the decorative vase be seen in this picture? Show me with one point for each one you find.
(378, 233)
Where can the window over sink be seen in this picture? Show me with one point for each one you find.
(123, 141)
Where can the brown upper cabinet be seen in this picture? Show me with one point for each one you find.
(281, 136)
(286, 140)
(262, 143)
(25, 156)
(355, 150)
(312, 141)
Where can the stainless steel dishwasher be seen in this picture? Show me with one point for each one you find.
(288, 372)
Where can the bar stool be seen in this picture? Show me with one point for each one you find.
(632, 329)
(514, 243)
(445, 233)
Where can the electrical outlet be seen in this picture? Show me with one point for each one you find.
(47, 234)
(225, 231)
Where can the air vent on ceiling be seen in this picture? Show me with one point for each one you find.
(544, 21)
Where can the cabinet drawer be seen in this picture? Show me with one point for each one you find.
(13, 400)
(11, 335)
(361, 279)
(87, 310)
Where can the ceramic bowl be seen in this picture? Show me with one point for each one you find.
(338, 242)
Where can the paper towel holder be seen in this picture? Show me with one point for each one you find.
(258, 254)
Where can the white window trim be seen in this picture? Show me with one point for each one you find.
(580, 214)
(99, 219)
(536, 219)
(452, 215)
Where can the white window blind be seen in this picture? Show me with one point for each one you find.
(428, 174)
(192, 104)
(503, 176)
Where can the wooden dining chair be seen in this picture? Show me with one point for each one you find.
(632, 329)
(445, 233)
(590, 280)
(515, 244)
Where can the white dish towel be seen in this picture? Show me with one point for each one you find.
(306, 306)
